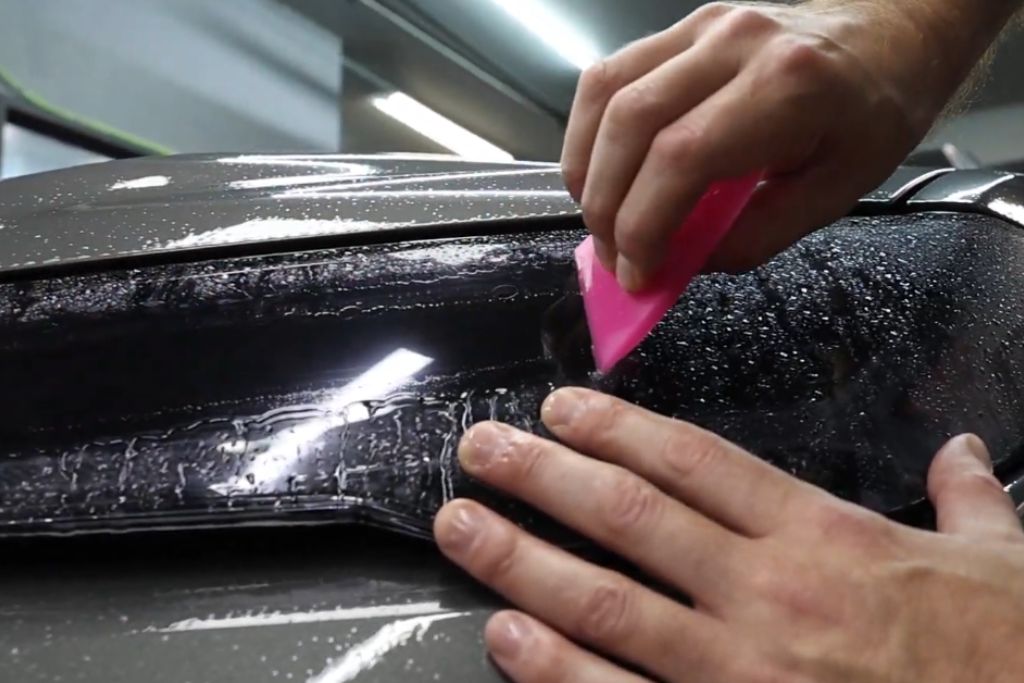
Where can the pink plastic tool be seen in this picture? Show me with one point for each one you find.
(618, 320)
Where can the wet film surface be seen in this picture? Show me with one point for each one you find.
(334, 385)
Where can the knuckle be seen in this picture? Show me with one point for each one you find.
(743, 22)
(602, 421)
(632, 503)
(687, 457)
(633, 104)
(531, 452)
(676, 145)
(605, 610)
(496, 559)
(600, 80)
(711, 10)
(769, 583)
(802, 60)
(853, 526)
(598, 216)
(574, 176)
(633, 235)
(794, 593)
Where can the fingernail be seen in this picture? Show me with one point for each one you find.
(976, 447)
(507, 635)
(458, 534)
(484, 444)
(562, 408)
(628, 275)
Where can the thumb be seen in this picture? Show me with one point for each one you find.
(968, 499)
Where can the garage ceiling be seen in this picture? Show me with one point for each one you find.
(470, 61)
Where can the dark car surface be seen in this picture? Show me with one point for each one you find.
(232, 389)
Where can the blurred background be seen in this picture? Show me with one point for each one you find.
(87, 80)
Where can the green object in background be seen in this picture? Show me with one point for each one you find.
(98, 127)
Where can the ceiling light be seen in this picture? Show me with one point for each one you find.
(553, 30)
(444, 132)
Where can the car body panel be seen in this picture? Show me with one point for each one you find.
(189, 206)
(846, 361)
(192, 206)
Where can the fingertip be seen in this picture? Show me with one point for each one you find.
(573, 184)
(965, 451)
(456, 525)
(973, 445)
(629, 276)
(507, 634)
(605, 254)
(562, 407)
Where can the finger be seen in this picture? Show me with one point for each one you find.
(609, 504)
(633, 117)
(968, 499)
(530, 652)
(723, 137)
(588, 604)
(598, 84)
(699, 468)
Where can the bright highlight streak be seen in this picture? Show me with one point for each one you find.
(553, 30)
(417, 609)
(269, 468)
(364, 656)
(441, 130)
(142, 183)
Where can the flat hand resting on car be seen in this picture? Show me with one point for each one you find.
(789, 584)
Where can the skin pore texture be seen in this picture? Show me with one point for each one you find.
(788, 583)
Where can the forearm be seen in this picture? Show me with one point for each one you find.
(936, 44)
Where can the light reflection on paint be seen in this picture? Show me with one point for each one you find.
(972, 193)
(349, 193)
(141, 183)
(340, 163)
(344, 407)
(455, 255)
(416, 609)
(1014, 212)
(367, 654)
(292, 180)
(261, 229)
(433, 178)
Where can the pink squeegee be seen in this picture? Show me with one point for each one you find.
(618, 320)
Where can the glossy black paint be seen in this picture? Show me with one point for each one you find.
(193, 207)
(222, 392)
(217, 319)
(208, 206)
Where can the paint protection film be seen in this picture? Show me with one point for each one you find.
(334, 385)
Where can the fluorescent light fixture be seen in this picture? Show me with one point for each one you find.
(553, 30)
(444, 132)
(343, 407)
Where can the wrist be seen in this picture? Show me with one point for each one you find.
(922, 50)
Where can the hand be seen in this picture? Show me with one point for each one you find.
(790, 584)
(827, 97)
